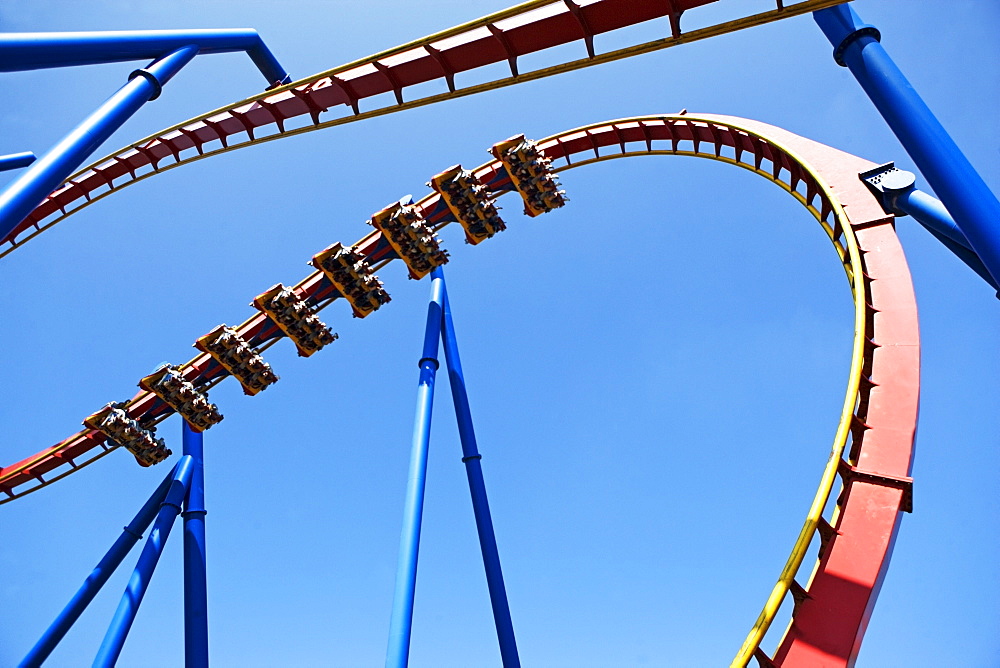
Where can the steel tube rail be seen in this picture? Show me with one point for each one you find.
(972, 204)
(16, 160)
(477, 488)
(98, 577)
(114, 639)
(401, 619)
(195, 575)
(31, 188)
(20, 51)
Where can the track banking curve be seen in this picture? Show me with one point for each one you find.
(334, 97)
(872, 448)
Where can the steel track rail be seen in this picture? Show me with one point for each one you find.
(297, 108)
(877, 422)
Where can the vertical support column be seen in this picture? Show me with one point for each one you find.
(114, 639)
(401, 621)
(195, 576)
(971, 203)
(477, 487)
(131, 534)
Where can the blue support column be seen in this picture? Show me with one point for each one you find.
(114, 640)
(895, 191)
(130, 536)
(16, 160)
(195, 575)
(401, 620)
(32, 187)
(932, 215)
(477, 487)
(170, 49)
(971, 203)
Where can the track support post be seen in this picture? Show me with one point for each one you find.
(195, 575)
(131, 534)
(44, 176)
(170, 50)
(401, 620)
(894, 188)
(114, 639)
(964, 193)
(477, 488)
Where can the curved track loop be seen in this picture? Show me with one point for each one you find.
(872, 448)
(298, 107)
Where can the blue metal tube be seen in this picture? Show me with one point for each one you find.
(401, 620)
(974, 207)
(195, 575)
(31, 188)
(477, 487)
(965, 255)
(16, 160)
(114, 640)
(21, 51)
(929, 212)
(130, 536)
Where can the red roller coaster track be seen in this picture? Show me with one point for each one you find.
(873, 449)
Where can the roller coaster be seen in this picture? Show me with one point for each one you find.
(851, 531)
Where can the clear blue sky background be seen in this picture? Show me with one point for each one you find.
(656, 371)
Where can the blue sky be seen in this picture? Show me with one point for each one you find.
(656, 371)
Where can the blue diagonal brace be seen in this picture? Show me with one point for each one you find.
(477, 487)
(114, 640)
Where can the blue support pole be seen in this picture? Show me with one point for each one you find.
(33, 186)
(477, 487)
(932, 215)
(401, 620)
(895, 191)
(130, 536)
(971, 203)
(16, 160)
(114, 640)
(20, 51)
(929, 212)
(195, 575)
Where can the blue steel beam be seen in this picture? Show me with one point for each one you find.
(16, 160)
(971, 203)
(477, 488)
(895, 191)
(114, 640)
(21, 51)
(171, 49)
(130, 536)
(401, 619)
(33, 186)
(931, 213)
(195, 575)
(964, 254)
